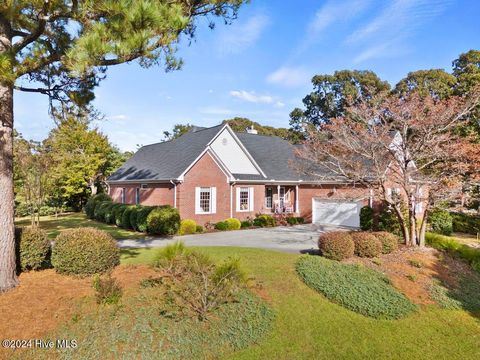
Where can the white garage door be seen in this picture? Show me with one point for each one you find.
(336, 212)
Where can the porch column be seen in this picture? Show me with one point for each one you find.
(297, 209)
(278, 198)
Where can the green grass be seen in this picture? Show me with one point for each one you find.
(360, 289)
(308, 326)
(54, 225)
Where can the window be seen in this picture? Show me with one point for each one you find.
(268, 198)
(245, 199)
(137, 196)
(205, 200)
(123, 195)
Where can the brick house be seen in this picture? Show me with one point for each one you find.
(211, 174)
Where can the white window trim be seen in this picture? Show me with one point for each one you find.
(137, 196)
(213, 200)
(250, 199)
(271, 198)
(124, 195)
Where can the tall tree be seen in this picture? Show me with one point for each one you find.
(436, 83)
(240, 124)
(404, 143)
(330, 93)
(64, 47)
(177, 131)
(80, 156)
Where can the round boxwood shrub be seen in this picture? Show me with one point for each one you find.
(142, 216)
(264, 221)
(336, 245)
(221, 225)
(84, 251)
(233, 224)
(125, 223)
(292, 220)
(101, 210)
(93, 201)
(441, 222)
(199, 229)
(187, 226)
(366, 218)
(366, 244)
(163, 220)
(389, 241)
(300, 220)
(32, 247)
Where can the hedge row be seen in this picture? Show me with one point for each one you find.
(160, 220)
(339, 245)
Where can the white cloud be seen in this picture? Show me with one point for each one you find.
(336, 11)
(250, 96)
(398, 20)
(117, 117)
(240, 36)
(215, 110)
(279, 104)
(289, 76)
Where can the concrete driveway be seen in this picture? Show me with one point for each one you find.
(299, 238)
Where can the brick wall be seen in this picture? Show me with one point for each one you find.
(205, 173)
(154, 194)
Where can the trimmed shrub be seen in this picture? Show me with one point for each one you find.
(110, 213)
(466, 223)
(337, 245)
(233, 224)
(221, 225)
(300, 220)
(246, 224)
(187, 226)
(366, 218)
(142, 216)
(366, 244)
(32, 248)
(388, 221)
(163, 220)
(107, 290)
(389, 241)
(92, 203)
(292, 220)
(358, 288)
(133, 217)
(125, 223)
(264, 221)
(118, 213)
(101, 210)
(199, 229)
(85, 251)
(441, 222)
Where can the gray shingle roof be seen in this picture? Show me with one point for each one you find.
(166, 160)
(274, 155)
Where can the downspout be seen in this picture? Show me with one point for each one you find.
(297, 210)
(231, 199)
(174, 193)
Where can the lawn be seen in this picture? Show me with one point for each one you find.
(54, 225)
(309, 326)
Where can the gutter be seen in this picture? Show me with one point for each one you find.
(231, 198)
(174, 193)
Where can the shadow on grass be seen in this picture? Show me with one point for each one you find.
(457, 285)
(130, 253)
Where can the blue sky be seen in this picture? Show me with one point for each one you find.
(260, 67)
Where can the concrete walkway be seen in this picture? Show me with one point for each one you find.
(299, 238)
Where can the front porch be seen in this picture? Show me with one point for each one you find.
(281, 199)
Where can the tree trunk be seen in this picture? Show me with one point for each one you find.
(8, 276)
